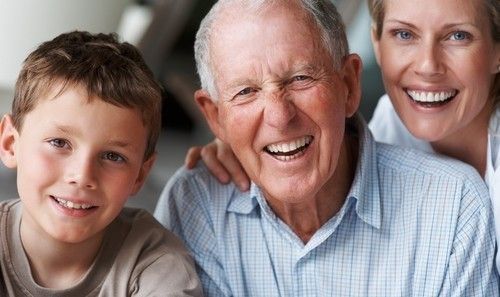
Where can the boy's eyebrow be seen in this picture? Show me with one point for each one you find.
(69, 130)
(65, 129)
(118, 143)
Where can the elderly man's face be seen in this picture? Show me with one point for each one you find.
(281, 105)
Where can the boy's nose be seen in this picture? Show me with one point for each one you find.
(81, 173)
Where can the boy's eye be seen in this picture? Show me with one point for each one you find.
(58, 142)
(114, 157)
(459, 35)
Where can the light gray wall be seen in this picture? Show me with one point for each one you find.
(26, 23)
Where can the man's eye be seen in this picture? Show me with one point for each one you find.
(58, 142)
(403, 35)
(245, 91)
(114, 157)
(300, 78)
(459, 35)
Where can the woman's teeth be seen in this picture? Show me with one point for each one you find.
(430, 97)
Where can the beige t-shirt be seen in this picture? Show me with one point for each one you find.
(138, 257)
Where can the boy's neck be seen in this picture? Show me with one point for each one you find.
(55, 264)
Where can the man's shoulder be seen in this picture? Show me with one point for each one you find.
(193, 197)
(410, 160)
(198, 184)
(416, 172)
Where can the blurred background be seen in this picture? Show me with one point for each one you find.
(164, 32)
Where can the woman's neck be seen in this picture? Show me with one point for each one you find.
(469, 144)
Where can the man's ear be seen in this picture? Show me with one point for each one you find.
(210, 110)
(143, 173)
(352, 78)
(375, 43)
(8, 137)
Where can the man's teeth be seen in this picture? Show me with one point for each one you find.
(286, 147)
(69, 204)
(431, 96)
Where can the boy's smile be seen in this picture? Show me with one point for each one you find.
(78, 161)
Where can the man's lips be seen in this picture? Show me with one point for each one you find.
(289, 150)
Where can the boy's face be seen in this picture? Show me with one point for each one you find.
(77, 163)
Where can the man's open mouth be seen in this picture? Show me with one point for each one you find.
(286, 151)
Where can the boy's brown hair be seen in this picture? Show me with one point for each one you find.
(107, 69)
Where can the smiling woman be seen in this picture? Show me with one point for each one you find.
(441, 72)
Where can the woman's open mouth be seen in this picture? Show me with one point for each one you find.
(431, 99)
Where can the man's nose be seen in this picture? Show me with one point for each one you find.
(279, 110)
(429, 60)
(80, 172)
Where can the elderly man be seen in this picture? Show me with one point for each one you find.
(330, 212)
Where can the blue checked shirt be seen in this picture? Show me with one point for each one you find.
(413, 224)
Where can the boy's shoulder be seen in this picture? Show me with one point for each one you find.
(7, 205)
(9, 208)
(140, 234)
(143, 230)
(148, 255)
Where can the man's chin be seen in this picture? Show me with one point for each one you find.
(288, 193)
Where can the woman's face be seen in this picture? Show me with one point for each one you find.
(438, 62)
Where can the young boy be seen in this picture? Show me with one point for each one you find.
(82, 135)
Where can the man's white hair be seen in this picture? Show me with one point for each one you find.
(323, 12)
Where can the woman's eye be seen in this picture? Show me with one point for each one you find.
(459, 35)
(114, 157)
(403, 35)
(59, 143)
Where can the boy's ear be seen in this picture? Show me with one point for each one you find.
(210, 110)
(8, 137)
(352, 78)
(143, 173)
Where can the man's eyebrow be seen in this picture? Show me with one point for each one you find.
(240, 82)
(308, 68)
